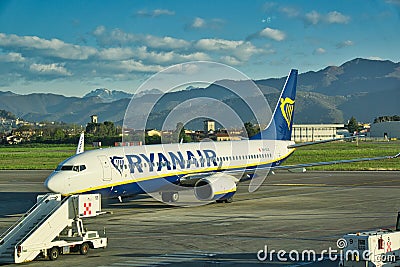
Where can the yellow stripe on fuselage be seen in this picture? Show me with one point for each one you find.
(180, 173)
(225, 191)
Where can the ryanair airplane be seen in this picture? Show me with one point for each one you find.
(211, 169)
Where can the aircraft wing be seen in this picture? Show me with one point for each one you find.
(191, 179)
(323, 163)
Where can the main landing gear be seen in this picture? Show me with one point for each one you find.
(169, 196)
(227, 200)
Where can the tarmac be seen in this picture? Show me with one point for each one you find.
(290, 211)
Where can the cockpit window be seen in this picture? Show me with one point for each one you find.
(66, 168)
(76, 168)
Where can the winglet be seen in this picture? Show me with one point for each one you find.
(396, 156)
(81, 144)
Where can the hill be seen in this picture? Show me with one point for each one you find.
(362, 88)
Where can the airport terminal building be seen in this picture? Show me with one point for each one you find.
(315, 132)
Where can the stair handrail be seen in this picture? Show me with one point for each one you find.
(22, 218)
(41, 222)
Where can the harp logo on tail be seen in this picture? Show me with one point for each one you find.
(287, 107)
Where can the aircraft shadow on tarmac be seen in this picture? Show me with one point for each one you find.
(136, 202)
(199, 258)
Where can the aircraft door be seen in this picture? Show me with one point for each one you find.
(105, 164)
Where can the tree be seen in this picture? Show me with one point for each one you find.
(91, 128)
(101, 129)
(352, 126)
(387, 118)
(155, 139)
(111, 130)
(7, 115)
(251, 129)
(59, 134)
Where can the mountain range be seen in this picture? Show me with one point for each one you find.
(361, 88)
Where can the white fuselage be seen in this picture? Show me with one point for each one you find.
(134, 170)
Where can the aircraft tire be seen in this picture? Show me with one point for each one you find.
(229, 200)
(166, 196)
(170, 196)
(174, 197)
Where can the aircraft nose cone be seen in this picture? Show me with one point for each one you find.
(54, 184)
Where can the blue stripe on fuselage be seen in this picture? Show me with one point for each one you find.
(162, 183)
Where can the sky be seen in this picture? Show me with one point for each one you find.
(75, 46)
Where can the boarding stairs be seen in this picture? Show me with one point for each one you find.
(38, 227)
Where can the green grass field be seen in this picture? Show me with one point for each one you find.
(349, 150)
(47, 157)
(34, 157)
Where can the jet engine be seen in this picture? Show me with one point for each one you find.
(218, 187)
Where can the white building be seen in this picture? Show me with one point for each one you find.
(315, 132)
(387, 129)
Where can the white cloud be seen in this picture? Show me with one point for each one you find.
(312, 17)
(230, 60)
(241, 50)
(117, 37)
(344, 44)
(273, 34)
(217, 44)
(200, 23)
(319, 51)
(165, 42)
(337, 17)
(291, 12)
(137, 66)
(12, 57)
(155, 13)
(99, 30)
(148, 46)
(53, 47)
(333, 17)
(50, 69)
(120, 56)
(116, 53)
(114, 37)
(246, 50)
(170, 57)
(159, 12)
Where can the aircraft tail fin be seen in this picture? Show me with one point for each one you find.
(81, 144)
(280, 127)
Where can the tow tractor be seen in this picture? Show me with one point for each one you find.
(373, 248)
(53, 226)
